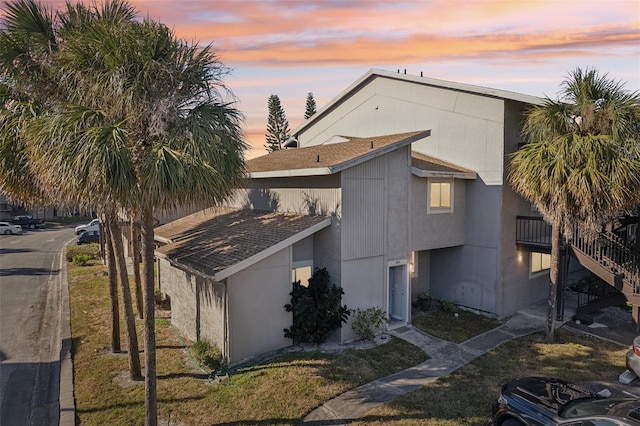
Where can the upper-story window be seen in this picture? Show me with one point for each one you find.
(440, 196)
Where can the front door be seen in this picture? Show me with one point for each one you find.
(397, 292)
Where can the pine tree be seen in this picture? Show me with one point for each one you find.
(311, 106)
(277, 125)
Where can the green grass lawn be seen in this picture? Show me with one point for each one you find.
(278, 391)
(465, 397)
(284, 388)
(456, 326)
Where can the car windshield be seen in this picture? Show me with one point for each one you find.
(586, 407)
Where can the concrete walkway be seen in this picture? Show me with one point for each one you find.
(446, 357)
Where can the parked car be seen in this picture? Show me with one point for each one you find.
(7, 228)
(530, 401)
(88, 237)
(26, 221)
(94, 225)
(633, 357)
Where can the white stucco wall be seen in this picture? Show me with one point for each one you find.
(436, 230)
(466, 129)
(197, 304)
(517, 288)
(364, 283)
(257, 317)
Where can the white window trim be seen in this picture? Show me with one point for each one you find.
(436, 210)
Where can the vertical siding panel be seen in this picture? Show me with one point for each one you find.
(363, 212)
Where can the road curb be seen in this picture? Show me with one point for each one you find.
(67, 400)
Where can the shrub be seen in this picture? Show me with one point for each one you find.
(81, 259)
(92, 250)
(369, 321)
(447, 306)
(207, 355)
(316, 309)
(427, 303)
(423, 301)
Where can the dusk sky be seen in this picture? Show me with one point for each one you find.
(292, 47)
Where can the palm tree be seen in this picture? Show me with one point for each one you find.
(581, 166)
(140, 118)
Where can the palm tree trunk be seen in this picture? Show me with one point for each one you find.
(135, 246)
(113, 292)
(151, 411)
(115, 231)
(554, 276)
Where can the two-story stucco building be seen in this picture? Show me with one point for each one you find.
(398, 186)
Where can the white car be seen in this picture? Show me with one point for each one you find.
(633, 357)
(94, 225)
(7, 228)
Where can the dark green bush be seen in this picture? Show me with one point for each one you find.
(426, 303)
(316, 309)
(92, 250)
(207, 355)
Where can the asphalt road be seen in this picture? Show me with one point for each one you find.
(30, 326)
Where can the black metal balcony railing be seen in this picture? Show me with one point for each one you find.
(533, 230)
(610, 251)
(607, 249)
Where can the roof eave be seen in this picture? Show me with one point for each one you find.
(234, 269)
(161, 239)
(291, 173)
(443, 175)
(184, 267)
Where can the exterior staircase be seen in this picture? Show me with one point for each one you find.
(609, 258)
(606, 255)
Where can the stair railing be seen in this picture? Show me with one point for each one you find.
(610, 252)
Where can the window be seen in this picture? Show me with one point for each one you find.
(440, 196)
(301, 273)
(540, 262)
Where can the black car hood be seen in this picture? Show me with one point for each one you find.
(545, 392)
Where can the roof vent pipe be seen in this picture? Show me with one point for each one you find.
(420, 73)
(371, 144)
(405, 70)
(318, 159)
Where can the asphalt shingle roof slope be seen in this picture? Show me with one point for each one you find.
(437, 166)
(214, 240)
(331, 157)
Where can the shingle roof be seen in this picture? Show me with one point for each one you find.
(434, 167)
(219, 242)
(328, 158)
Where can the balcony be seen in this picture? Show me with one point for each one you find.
(533, 234)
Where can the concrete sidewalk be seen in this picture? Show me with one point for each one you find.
(446, 357)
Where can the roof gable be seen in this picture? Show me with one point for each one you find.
(328, 158)
(372, 74)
